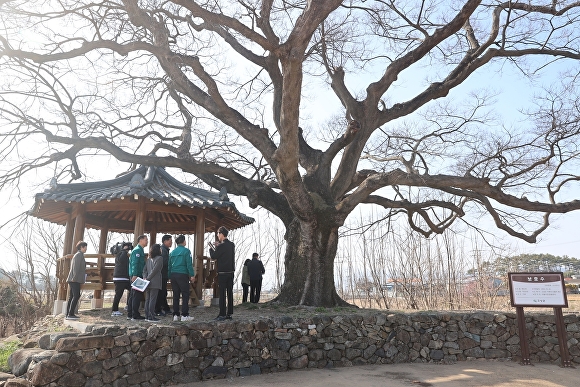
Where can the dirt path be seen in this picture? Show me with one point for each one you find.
(481, 373)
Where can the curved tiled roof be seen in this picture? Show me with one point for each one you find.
(153, 183)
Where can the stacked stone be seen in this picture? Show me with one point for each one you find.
(156, 355)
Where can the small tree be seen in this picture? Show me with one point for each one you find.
(17, 313)
(36, 245)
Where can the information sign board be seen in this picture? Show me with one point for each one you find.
(537, 290)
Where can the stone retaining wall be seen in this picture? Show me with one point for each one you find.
(155, 355)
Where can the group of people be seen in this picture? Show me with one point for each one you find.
(163, 266)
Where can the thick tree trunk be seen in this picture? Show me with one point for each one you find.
(309, 264)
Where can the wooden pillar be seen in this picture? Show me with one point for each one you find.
(80, 222)
(140, 216)
(97, 301)
(68, 235)
(103, 239)
(79, 215)
(61, 273)
(153, 233)
(198, 253)
(215, 286)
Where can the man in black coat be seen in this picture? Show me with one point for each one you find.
(121, 277)
(162, 307)
(256, 270)
(224, 254)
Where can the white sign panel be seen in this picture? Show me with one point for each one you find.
(537, 289)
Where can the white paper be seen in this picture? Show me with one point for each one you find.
(140, 284)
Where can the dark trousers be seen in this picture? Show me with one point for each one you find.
(180, 286)
(161, 304)
(245, 288)
(150, 303)
(136, 298)
(226, 285)
(73, 298)
(120, 287)
(255, 289)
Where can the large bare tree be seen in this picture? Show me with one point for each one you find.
(217, 89)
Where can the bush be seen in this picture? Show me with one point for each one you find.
(17, 314)
(571, 288)
(6, 349)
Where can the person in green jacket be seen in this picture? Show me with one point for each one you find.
(136, 265)
(180, 271)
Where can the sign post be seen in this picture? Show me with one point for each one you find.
(539, 290)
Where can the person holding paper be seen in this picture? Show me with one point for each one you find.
(136, 264)
(181, 272)
(152, 273)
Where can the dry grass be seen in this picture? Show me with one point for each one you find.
(494, 303)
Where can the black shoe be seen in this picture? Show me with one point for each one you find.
(138, 318)
(72, 317)
(162, 314)
(152, 319)
(220, 318)
(229, 317)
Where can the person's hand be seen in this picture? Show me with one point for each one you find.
(133, 278)
(192, 279)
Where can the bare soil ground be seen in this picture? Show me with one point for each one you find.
(268, 310)
(242, 312)
(477, 373)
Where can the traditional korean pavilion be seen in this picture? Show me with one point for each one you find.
(148, 201)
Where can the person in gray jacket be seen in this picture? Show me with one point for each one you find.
(76, 277)
(245, 281)
(152, 273)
